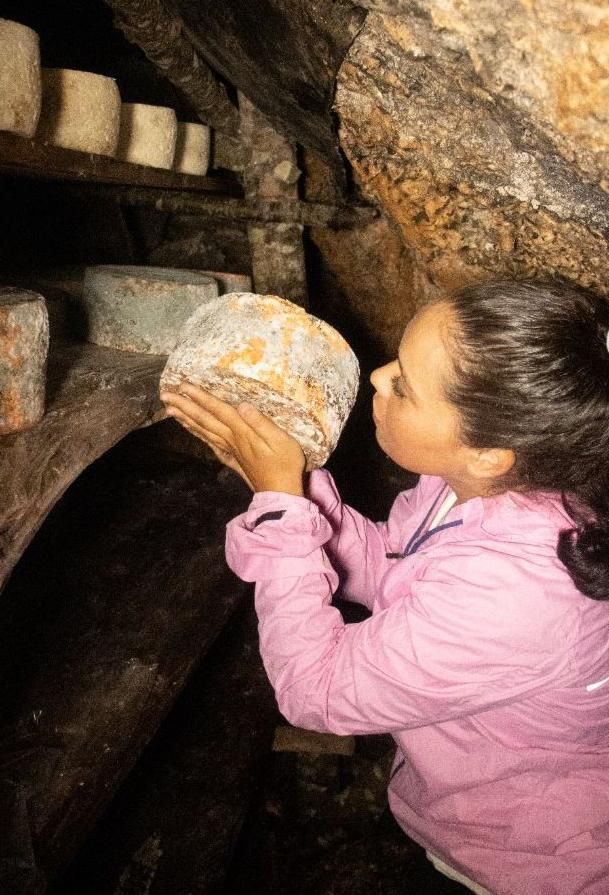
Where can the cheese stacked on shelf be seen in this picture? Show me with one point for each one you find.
(20, 79)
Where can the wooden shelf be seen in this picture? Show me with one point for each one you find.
(22, 157)
(95, 396)
(121, 595)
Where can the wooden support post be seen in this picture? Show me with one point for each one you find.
(271, 174)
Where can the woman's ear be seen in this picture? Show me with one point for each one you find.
(491, 463)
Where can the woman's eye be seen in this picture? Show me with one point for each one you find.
(397, 387)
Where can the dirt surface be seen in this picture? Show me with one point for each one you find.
(212, 810)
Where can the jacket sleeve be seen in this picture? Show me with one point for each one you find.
(453, 646)
(358, 547)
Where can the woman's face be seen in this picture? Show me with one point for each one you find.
(415, 425)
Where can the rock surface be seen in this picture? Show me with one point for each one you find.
(482, 132)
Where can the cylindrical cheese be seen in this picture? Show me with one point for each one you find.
(230, 282)
(80, 110)
(192, 148)
(20, 81)
(24, 345)
(140, 309)
(261, 348)
(147, 135)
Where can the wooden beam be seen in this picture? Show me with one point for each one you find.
(284, 56)
(95, 396)
(152, 27)
(278, 211)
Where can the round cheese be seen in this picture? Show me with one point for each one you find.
(294, 367)
(230, 282)
(80, 110)
(24, 345)
(148, 135)
(192, 148)
(20, 79)
(140, 309)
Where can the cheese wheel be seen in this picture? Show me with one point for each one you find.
(24, 345)
(192, 148)
(80, 110)
(20, 79)
(230, 282)
(141, 309)
(147, 135)
(263, 349)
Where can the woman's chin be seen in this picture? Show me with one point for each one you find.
(381, 443)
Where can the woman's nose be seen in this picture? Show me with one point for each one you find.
(380, 377)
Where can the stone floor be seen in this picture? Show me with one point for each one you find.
(211, 809)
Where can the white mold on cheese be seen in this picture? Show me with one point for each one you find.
(24, 345)
(295, 368)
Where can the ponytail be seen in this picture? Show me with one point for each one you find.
(584, 549)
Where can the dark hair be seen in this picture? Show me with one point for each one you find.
(531, 373)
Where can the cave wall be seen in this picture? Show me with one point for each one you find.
(478, 128)
(481, 128)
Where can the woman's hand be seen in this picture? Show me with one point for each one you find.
(266, 457)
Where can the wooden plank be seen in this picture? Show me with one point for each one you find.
(192, 788)
(296, 739)
(22, 157)
(95, 396)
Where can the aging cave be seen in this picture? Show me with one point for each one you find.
(359, 159)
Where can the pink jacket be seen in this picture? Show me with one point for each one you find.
(487, 666)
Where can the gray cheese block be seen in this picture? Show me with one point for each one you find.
(140, 309)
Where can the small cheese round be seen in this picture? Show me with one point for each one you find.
(293, 366)
(24, 345)
(80, 110)
(20, 80)
(192, 148)
(230, 282)
(148, 135)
